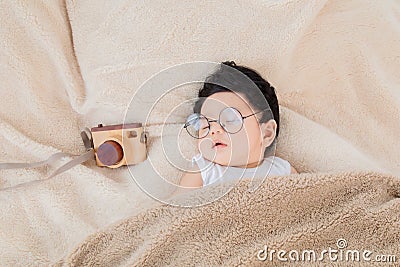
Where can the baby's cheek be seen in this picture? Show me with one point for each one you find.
(198, 144)
(240, 145)
(204, 146)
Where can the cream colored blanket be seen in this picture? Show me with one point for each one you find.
(354, 216)
(71, 64)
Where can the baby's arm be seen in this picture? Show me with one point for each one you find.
(292, 170)
(189, 179)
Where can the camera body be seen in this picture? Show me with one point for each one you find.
(118, 145)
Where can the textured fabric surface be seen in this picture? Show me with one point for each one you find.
(354, 211)
(65, 65)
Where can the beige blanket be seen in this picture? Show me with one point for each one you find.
(354, 216)
(65, 65)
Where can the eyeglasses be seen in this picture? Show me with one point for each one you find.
(230, 119)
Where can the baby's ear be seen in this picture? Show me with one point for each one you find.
(268, 130)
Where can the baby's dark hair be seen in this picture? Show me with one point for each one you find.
(225, 77)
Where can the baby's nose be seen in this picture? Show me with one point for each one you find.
(215, 127)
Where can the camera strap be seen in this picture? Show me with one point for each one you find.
(87, 141)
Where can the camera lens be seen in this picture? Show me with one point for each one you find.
(110, 153)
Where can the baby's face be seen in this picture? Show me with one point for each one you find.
(242, 149)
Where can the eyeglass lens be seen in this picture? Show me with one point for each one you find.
(230, 120)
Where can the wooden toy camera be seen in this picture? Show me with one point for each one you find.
(118, 145)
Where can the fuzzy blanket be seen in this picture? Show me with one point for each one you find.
(349, 213)
(69, 64)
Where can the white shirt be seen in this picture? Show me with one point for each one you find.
(212, 172)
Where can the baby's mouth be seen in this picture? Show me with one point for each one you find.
(218, 144)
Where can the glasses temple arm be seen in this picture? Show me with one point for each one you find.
(244, 117)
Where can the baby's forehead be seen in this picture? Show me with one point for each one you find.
(215, 103)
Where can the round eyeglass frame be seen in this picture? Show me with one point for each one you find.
(219, 121)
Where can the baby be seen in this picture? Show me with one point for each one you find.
(234, 129)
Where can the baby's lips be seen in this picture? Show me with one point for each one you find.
(218, 142)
